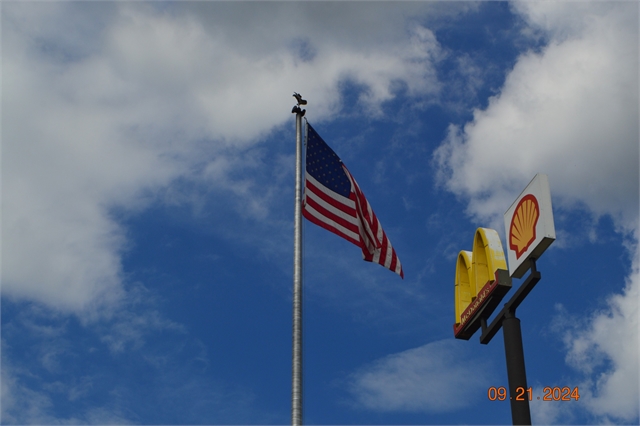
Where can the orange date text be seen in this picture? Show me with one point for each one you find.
(556, 393)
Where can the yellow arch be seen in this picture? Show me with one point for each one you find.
(488, 256)
(475, 269)
(463, 282)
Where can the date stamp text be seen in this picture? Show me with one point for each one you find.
(549, 393)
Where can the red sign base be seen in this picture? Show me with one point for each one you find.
(489, 297)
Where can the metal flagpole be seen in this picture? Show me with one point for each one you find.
(296, 385)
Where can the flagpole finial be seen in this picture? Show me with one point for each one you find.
(296, 109)
(298, 97)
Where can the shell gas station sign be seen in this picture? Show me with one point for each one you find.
(482, 279)
(529, 225)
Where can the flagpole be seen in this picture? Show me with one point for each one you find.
(296, 385)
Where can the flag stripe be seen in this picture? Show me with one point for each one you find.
(368, 239)
(333, 209)
(393, 264)
(313, 216)
(336, 220)
(337, 201)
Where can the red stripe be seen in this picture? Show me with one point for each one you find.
(328, 227)
(330, 200)
(331, 216)
(394, 260)
(375, 226)
(363, 213)
(383, 249)
(366, 255)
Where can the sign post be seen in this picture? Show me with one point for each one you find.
(530, 231)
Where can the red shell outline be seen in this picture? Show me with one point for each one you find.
(532, 198)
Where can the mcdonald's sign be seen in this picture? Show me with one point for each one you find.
(481, 282)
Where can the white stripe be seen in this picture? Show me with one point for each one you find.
(387, 262)
(376, 241)
(339, 198)
(371, 248)
(335, 211)
(365, 230)
(398, 266)
(376, 256)
(328, 221)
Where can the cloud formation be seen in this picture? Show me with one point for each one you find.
(106, 104)
(436, 377)
(605, 350)
(570, 111)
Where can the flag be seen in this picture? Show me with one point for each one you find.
(333, 200)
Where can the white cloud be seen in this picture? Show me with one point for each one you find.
(19, 403)
(22, 404)
(570, 111)
(551, 412)
(604, 347)
(105, 104)
(53, 373)
(437, 377)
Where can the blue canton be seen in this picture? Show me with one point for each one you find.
(325, 166)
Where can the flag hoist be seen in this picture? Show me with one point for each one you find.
(333, 200)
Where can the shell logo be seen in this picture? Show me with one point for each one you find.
(522, 232)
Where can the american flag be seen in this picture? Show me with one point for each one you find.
(334, 201)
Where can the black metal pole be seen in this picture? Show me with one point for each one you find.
(516, 373)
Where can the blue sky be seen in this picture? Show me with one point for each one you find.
(147, 208)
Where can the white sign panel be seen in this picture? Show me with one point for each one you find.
(529, 225)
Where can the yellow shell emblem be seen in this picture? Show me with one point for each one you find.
(522, 231)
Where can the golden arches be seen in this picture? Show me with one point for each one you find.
(488, 256)
(464, 278)
(475, 269)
